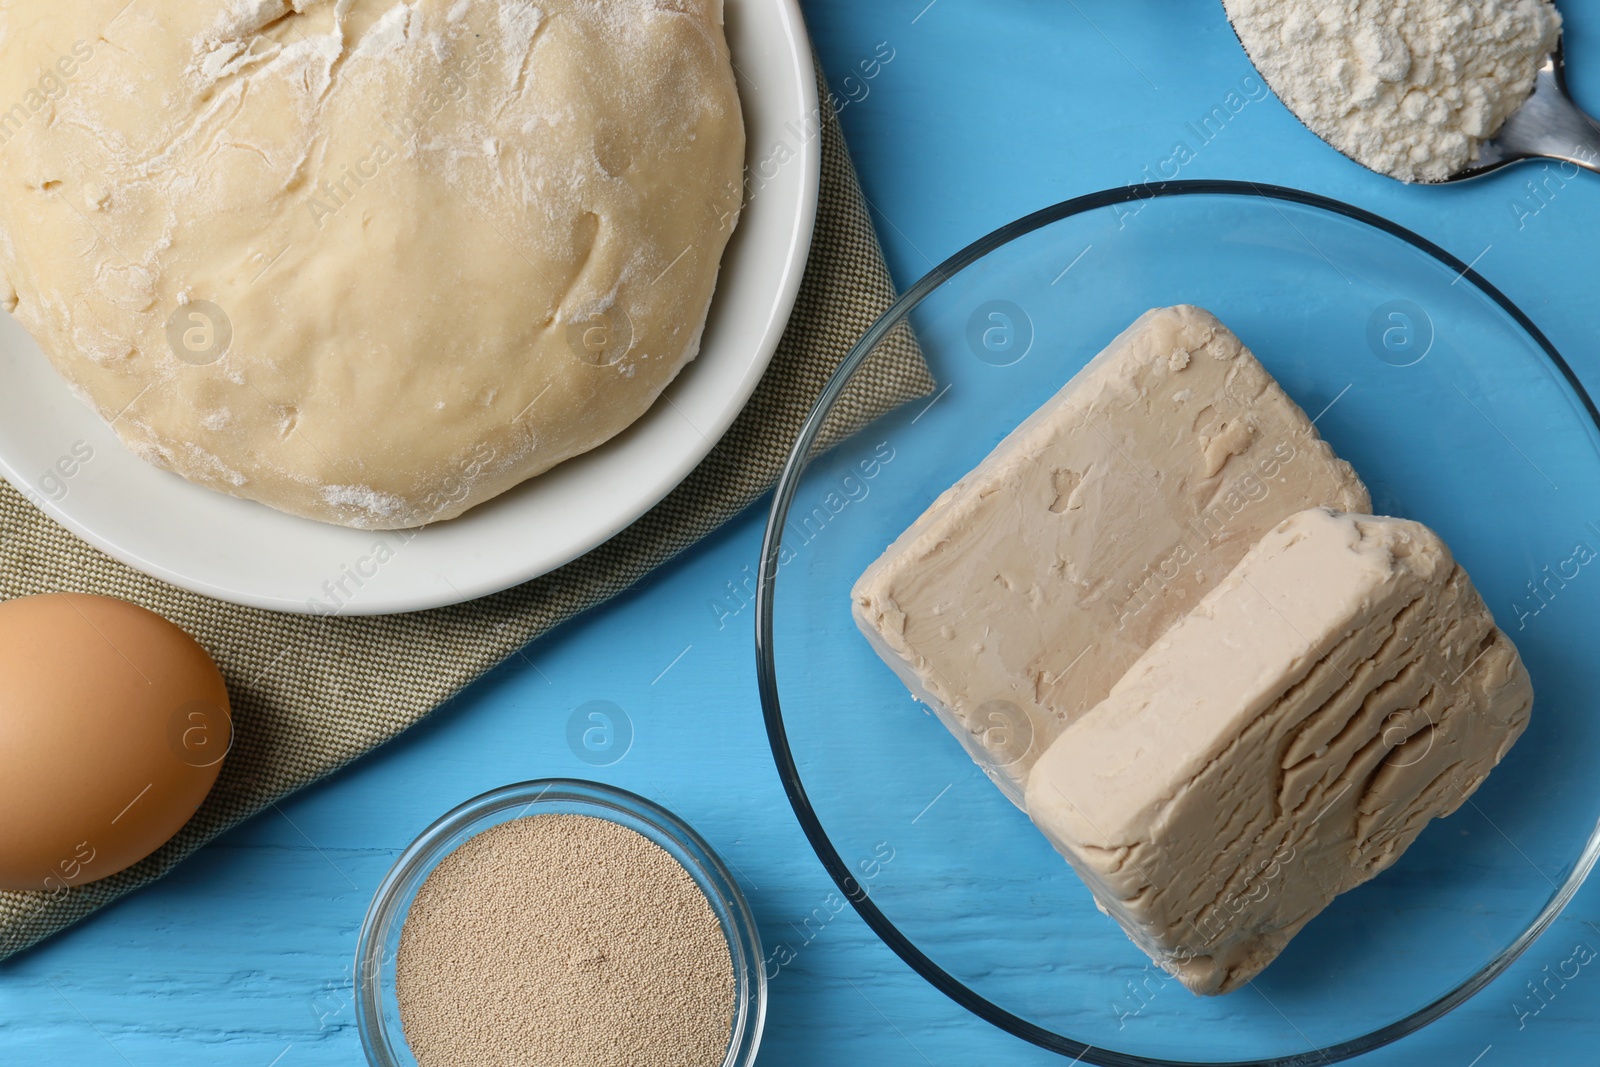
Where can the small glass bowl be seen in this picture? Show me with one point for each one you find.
(377, 1009)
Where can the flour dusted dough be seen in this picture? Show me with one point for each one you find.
(455, 242)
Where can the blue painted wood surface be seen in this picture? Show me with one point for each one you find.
(987, 109)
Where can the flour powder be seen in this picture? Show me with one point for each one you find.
(1410, 88)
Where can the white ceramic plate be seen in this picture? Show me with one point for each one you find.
(244, 552)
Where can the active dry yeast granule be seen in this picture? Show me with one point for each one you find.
(564, 941)
(1410, 88)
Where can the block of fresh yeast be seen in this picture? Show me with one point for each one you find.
(1284, 742)
(1015, 602)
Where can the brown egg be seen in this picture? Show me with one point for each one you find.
(113, 727)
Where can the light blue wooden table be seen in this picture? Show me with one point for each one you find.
(988, 109)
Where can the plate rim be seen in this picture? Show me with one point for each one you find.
(766, 674)
(377, 600)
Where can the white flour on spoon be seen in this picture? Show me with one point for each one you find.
(1410, 88)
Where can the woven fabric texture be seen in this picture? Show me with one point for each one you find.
(310, 694)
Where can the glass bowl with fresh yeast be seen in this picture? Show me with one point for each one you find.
(1210, 649)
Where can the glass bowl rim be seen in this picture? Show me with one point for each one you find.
(430, 847)
(799, 460)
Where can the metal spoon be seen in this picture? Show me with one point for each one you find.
(1548, 125)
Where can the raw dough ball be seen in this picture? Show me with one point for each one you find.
(367, 261)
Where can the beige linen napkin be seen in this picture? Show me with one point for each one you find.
(311, 694)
